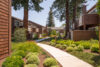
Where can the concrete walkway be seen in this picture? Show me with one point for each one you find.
(64, 58)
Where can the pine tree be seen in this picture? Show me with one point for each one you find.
(50, 21)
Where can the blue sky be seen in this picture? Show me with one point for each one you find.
(42, 16)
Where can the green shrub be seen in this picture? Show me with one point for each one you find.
(35, 36)
(58, 45)
(28, 47)
(55, 66)
(33, 59)
(53, 42)
(69, 49)
(53, 33)
(31, 54)
(63, 46)
(20, 35)
(19, 53)
(79, 48)
(72, 45)
(31, 65)
(50, 62)
(13, 61)
(86, 44)
(95, 48)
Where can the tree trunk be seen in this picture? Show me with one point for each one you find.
(74, 15)
(67, 19)
(25, 19)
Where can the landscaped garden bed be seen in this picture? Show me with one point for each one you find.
(85, 50)
(29, 54)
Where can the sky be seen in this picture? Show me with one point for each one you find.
(41, 17)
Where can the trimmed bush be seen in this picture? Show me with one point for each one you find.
(69, 49)
(79, 48)
(95, 48)
(55, 66)
(31, 54)
(58, 45)
(20, 35)
(19, 53)
(31, 65)
(13, 61)
(33, 59)
(50, 62)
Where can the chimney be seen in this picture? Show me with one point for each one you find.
(84, 9)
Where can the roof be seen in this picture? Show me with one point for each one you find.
(91, 8)
(28, 21)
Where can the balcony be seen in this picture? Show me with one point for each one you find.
(88, 20)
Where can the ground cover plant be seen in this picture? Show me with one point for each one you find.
(85, 50)
(25, 54)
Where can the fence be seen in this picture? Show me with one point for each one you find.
(78, 35)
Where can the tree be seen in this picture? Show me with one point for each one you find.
(61, 11)
(98, 11)
(27, 5)
(76, 9)
(50, 22)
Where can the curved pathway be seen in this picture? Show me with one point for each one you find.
(64, 58)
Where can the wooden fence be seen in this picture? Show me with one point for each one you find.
(78, 35)
(5, 28)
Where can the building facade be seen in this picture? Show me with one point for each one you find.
(33, 28)
(5, 28)
(86, 25)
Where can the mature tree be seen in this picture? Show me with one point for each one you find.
(61, 11)
(50, 21)
(66, 10)
(76, 9)
(27, 5)
(98, 11)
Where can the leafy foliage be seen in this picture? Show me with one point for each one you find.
(26, 47)
(20, 35)
(31, 65)
(50, 19)
(19, 53)
(33, 59)
(98, 7)
(50, 62)
(13, 61)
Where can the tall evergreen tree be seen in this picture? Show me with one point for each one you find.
(61, 11)
(67, 10)
(27, 5)
(50, 21)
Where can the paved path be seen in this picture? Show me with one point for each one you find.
(64, 58)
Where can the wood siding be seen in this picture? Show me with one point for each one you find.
(5, 28)
(78, 35)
